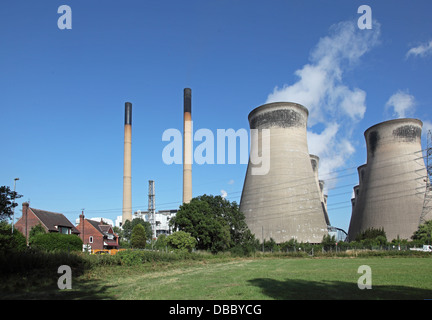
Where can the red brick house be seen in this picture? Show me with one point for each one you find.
(50, 221)
(98, 235)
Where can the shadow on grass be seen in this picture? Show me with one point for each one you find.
(89, 291)
(34, 275)
(330, 290)
(43, 286)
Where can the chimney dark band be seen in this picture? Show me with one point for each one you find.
(128, 113)
(187, 100)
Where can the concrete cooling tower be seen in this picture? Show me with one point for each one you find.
(286, 202)
(392, 183)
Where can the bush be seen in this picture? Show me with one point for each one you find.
(161, 242)
(290, 245)
(244, 250)
(130, 257)
(181, 241)
(270, 245)
(38, 229)
(372, 234)
(57, 241)
(136, 257)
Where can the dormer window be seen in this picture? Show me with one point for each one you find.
(63, 230)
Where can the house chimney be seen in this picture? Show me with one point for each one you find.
(25, 207)
(82, 225)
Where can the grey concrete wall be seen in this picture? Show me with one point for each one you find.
(391, 184)
(286, 202)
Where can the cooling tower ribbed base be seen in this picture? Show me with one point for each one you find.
(286, 203)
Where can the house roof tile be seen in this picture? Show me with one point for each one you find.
(53, 219)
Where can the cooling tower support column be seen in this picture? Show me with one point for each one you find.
(392, 183)
(187, 146)
(286, 202)
(127, 167)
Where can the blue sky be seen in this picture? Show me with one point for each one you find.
(63, 91)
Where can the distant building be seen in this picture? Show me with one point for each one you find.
(162, 219)
(97, 235)
(50, 221)
(119, 221)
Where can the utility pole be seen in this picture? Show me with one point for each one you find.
(82, 217)
(427, 204)
(13, 205)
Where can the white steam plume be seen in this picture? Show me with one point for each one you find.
(403, 104)
(331, 102)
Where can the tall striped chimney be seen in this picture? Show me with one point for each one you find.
(187, 146)
(127, 171)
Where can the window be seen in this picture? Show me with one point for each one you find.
(64, 230)
(91, 239)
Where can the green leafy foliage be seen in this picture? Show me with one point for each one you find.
(6, 202)
(128, 226)
(138, 238)
(137, 257)
(371, 233)
(215, 223)
(38, 229)
(424, 233)
(161, 242)
(56, 241)
(11, 242)
(182, 241)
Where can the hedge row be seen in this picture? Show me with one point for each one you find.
(56, 241)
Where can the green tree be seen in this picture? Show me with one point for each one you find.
(328, 242)
(371, 234)
(289, 245)
(182, 241)
(138, 238)
(129, 225)
(270, 245)
(214, 222)
(11, 242)
(424, 232)
(7, 202)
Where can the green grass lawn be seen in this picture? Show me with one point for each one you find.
(260, 279)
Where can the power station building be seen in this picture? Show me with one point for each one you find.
(393, 183)
(287, 202)
(159, 220)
